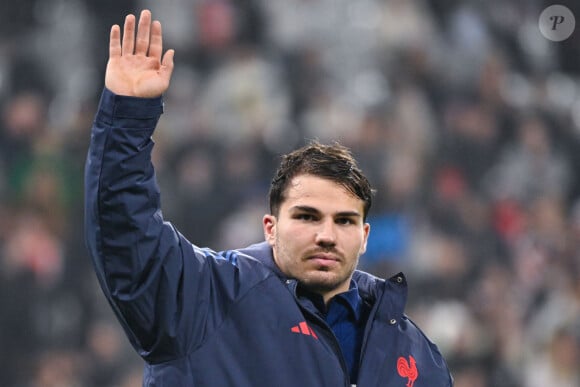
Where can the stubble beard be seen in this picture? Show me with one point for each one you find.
(318, 280)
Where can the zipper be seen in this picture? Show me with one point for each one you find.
(333, 342)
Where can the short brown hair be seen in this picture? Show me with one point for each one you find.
(334, 162)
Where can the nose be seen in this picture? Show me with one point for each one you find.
(325, 235)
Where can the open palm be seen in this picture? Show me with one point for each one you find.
(136, 65)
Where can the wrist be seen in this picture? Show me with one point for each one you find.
(113, 106)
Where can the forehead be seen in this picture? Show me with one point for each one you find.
(320, 193)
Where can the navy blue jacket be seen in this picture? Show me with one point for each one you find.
(202, 318)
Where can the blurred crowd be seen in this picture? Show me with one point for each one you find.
(465, 118)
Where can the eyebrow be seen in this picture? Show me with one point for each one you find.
(312, 210)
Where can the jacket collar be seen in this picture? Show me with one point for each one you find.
(371, 288)
(263, 253)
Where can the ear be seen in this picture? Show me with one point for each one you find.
(269, 225)
(366, 230)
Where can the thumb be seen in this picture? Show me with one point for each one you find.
(167, 63)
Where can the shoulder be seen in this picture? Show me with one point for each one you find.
(426, 352)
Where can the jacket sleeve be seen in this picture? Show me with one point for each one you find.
(144, 266)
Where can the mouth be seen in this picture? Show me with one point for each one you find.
(323, 259)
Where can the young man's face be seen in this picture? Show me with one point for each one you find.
(318, 234)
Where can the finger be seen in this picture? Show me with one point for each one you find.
(156, 45)
(115, 41)
(143, 33)
(128, 35)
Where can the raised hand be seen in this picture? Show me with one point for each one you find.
(136, 65)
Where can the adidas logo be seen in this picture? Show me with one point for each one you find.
(304, 329)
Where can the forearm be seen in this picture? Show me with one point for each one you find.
(122, 198)
(134, 251)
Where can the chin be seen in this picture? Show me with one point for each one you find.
(321, 281)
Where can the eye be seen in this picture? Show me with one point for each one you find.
(345, 221)
(305, 217)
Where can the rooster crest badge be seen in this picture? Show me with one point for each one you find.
(408, 369)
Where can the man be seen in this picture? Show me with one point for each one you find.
(291, 311)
